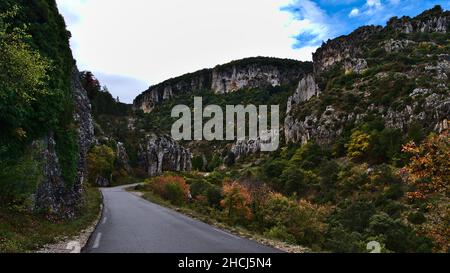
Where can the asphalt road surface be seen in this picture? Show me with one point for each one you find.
(131, 224)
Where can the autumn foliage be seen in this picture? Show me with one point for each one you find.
(236, 202)
(429, 167)
(172, 188)
(429, 174)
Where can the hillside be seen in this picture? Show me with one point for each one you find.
(363, 155)
(348, 119)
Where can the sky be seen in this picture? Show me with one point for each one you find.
(130, 45)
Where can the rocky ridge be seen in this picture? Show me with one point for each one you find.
(428, 105)
(247, 73)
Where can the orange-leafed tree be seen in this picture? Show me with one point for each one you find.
(236, 202)
(172, 188)
(429, 174)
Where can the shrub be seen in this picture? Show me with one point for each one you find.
(19, 179)
(300, 219)
(340, 240)
(171, 188)
(199, 188)
(214, 195)
(298, 181)
(197, 163)
(175, 194)
(398, 237)
(280, 233)
(236, 202)
(274, 169)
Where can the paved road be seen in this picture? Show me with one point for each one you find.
(133, 225)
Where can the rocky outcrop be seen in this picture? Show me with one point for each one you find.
(230, 78)
(434, 20)
(53, 195)
(325, 127)
(247, 73)
(347, 49)
(161, 153)
(429, 106)
(392, 45)
(122, 157)
(186, 84)
(243, 148)
(85, 129)
(307, 88)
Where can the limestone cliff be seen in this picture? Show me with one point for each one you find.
(376, 71)
(53, 195)
(237, 75)
(161, 153)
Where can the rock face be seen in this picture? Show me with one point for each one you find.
(397, 45)
(428, 105)
(347, 49)
(243, 148)
(162, 153)
(185, 84)
(122, 157)
(247, 73)
(307, 88)
(434, 20)
(85, 129)
(226, 79)
(53, 195)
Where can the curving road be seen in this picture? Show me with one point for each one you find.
(131, 224)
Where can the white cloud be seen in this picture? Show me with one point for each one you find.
(354, 12)
(152, 41)
(314, 24)
(374, 3)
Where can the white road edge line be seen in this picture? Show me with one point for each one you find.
(226, 233)
(97, 240)
(104, 220)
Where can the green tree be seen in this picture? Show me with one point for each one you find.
(100, 162)
(23, 75)
(359, 145)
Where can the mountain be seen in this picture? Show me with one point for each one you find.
(349, 118)
(247, 73)
(364, 150)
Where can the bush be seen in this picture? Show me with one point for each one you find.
(298, 181)
(280, 233)
(171, 188)
(274, 169)
(175, 194)
(18, 180)
(398, 237)
(214, 195)
(199, 188)
(300, 219)
(340, 240)
(236, 202)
